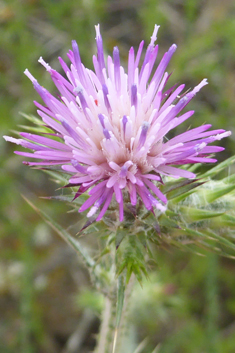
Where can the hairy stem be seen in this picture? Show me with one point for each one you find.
(122, 329)
(105, 338)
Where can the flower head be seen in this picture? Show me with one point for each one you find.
(112, 126)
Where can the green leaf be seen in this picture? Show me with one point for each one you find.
(120, 235)
(181, 189)
(218, 168)
(74, 243)
(211, 195)
(142, 238)
(226, 220)
(168, 222)
(191, 214)
(229, 179)
(222, 240)
(33, 119)
(58, 176)
(64, 198)
(209, 235)
(182, 196)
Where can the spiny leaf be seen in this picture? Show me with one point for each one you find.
(57, 175)
(35, 120)
(64, 235)
(209, 235)
(90, 221)
(222, 240)
(191, 214)
(120, 235)
(226, 220)
(130, 258)
(34, 129)
(210, 196)
(168, 222)
(170, 185)
(229, 179)
(182, 196)
(142, 238)
(182, 189)
(64, 198)
(218, 168)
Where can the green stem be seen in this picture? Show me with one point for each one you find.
(111, 336)
(105, 338)
(122, 329)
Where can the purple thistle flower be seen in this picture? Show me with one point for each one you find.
(112, 127)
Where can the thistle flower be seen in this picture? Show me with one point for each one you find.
(112, 127)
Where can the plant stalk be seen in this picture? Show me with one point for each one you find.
(105, 337)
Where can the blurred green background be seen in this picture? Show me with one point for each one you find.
(46, 301)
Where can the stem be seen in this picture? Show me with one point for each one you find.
(115, 340)
(121, 330)
(105, 338)
(110, 337)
